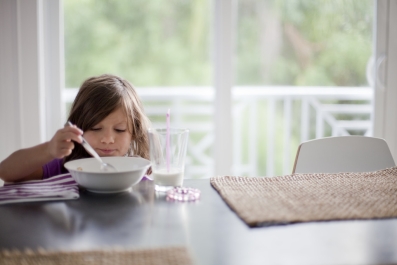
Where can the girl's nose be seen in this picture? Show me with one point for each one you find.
(107, 138)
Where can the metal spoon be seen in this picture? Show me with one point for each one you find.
(106, 167)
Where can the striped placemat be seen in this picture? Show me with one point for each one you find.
(163, 256)
(61, 187)
(310, 197)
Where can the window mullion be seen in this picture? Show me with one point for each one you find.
(223, 19)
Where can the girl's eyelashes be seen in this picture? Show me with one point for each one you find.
(117, 130)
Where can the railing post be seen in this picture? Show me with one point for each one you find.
(287, 135)
(253, 136)
(305, 116)
(270, 150)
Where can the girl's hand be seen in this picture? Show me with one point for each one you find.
(61, 144)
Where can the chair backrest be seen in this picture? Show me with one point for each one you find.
(343, 154)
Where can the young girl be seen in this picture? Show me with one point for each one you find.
(108, 111)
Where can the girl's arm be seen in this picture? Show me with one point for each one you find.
(26, 164)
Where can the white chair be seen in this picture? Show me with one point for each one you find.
(343, 154)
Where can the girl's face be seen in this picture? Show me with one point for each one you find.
(111, 136)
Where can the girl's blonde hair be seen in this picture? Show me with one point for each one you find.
(97, 98)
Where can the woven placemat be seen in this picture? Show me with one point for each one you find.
(163, 256)
(310, 197)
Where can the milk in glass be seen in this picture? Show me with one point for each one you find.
(172, 177)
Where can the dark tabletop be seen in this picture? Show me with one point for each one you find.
(211, 231)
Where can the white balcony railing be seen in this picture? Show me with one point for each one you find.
(269, 122)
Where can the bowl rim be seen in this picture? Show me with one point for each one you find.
(106, 173)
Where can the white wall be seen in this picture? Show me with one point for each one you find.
(30, 73)
(10, 130)
(20, 84)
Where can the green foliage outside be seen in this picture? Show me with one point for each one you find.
(168, 43)
(320, 43)
(150, 43)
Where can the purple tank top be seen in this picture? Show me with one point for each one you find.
(53, 168)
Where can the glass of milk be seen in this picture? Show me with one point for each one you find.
(167, 156)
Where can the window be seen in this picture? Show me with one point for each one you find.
(299, 73)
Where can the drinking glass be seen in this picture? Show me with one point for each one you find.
(167, 156)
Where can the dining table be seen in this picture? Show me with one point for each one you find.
(142, 218)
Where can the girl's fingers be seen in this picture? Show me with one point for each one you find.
(62, 143)
(71, 135)
(66, 145)
(72, 129)
(64, 149)
(67, 152)
(76, 138)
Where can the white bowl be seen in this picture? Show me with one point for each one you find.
(86, 172)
